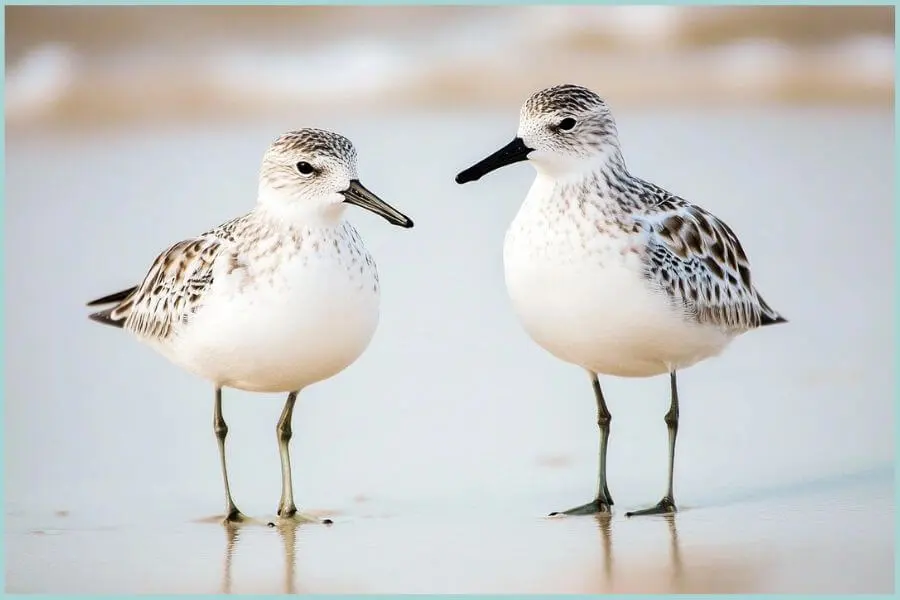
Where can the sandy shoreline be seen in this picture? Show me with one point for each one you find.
(767, 545)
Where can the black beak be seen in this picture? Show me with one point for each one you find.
(513, 152)
(358, 194)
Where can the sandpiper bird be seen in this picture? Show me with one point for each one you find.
(272, 301)
(613, 273)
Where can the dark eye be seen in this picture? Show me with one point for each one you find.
(304, 168)
(567, 124)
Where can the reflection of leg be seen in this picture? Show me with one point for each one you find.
(231, 536)
(602, 501)
(604, 520)
(667, 504)
(286, 507)
(676, 551)
(288, 533)
(232, 514)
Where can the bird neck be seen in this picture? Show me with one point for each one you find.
(607, 162)
(602, 182)
(291, 212)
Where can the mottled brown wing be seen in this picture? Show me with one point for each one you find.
(699, 262)
(172, 290)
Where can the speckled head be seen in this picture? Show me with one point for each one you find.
(312, 174)
(562, 100)
(562, 129)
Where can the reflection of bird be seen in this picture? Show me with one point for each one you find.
(272, 301)
(613, 273)
(604, 521)
(646, 579)
(232, 532)
(677, 567)
(287, 530)
(288, 533)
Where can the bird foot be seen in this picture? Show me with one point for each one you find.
(234, 516)
(292, 515)
(591, 508)
(665, 506)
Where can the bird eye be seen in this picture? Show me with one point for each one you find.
(305, 169)
(567, 124)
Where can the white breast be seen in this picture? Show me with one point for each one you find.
(579, 292)
(287, 321)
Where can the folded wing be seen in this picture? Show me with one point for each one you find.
(699, 262)
(171, 292)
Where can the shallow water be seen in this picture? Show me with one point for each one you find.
(438, 453)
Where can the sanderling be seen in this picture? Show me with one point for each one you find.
(613, 273)
(273, 301)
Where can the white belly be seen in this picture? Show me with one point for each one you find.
(591, 307)
(306, 322)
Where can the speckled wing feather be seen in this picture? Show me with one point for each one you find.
(172, 290)
(699, 262)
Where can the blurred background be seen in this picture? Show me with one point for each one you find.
(135, 63)
(439, 452)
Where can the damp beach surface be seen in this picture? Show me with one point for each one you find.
(439, 452)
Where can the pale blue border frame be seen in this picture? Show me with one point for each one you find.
(408, 2)
(896, 324)
(3, 311)
(446, 2)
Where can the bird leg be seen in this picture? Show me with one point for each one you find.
(667, 504)
(232, 514)
(603, 501)
(286, 507)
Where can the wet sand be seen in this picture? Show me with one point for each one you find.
(438, 453)
(819, 537)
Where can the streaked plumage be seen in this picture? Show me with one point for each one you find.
(275, 300)
(171, 293)
(698, 260)
(608, 271)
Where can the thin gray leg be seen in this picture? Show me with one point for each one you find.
(603, 421)
(286, 507)
(232, 514)
(287, 510)
(667, 504)
(603, 500)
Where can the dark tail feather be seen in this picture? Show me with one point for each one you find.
(105, 317)
(769, 316)
(117, 297)
(769, 320)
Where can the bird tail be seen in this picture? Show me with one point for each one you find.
(768, 316)
(106, 316)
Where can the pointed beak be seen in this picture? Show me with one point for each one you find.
(358, 194)
(513, 152)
